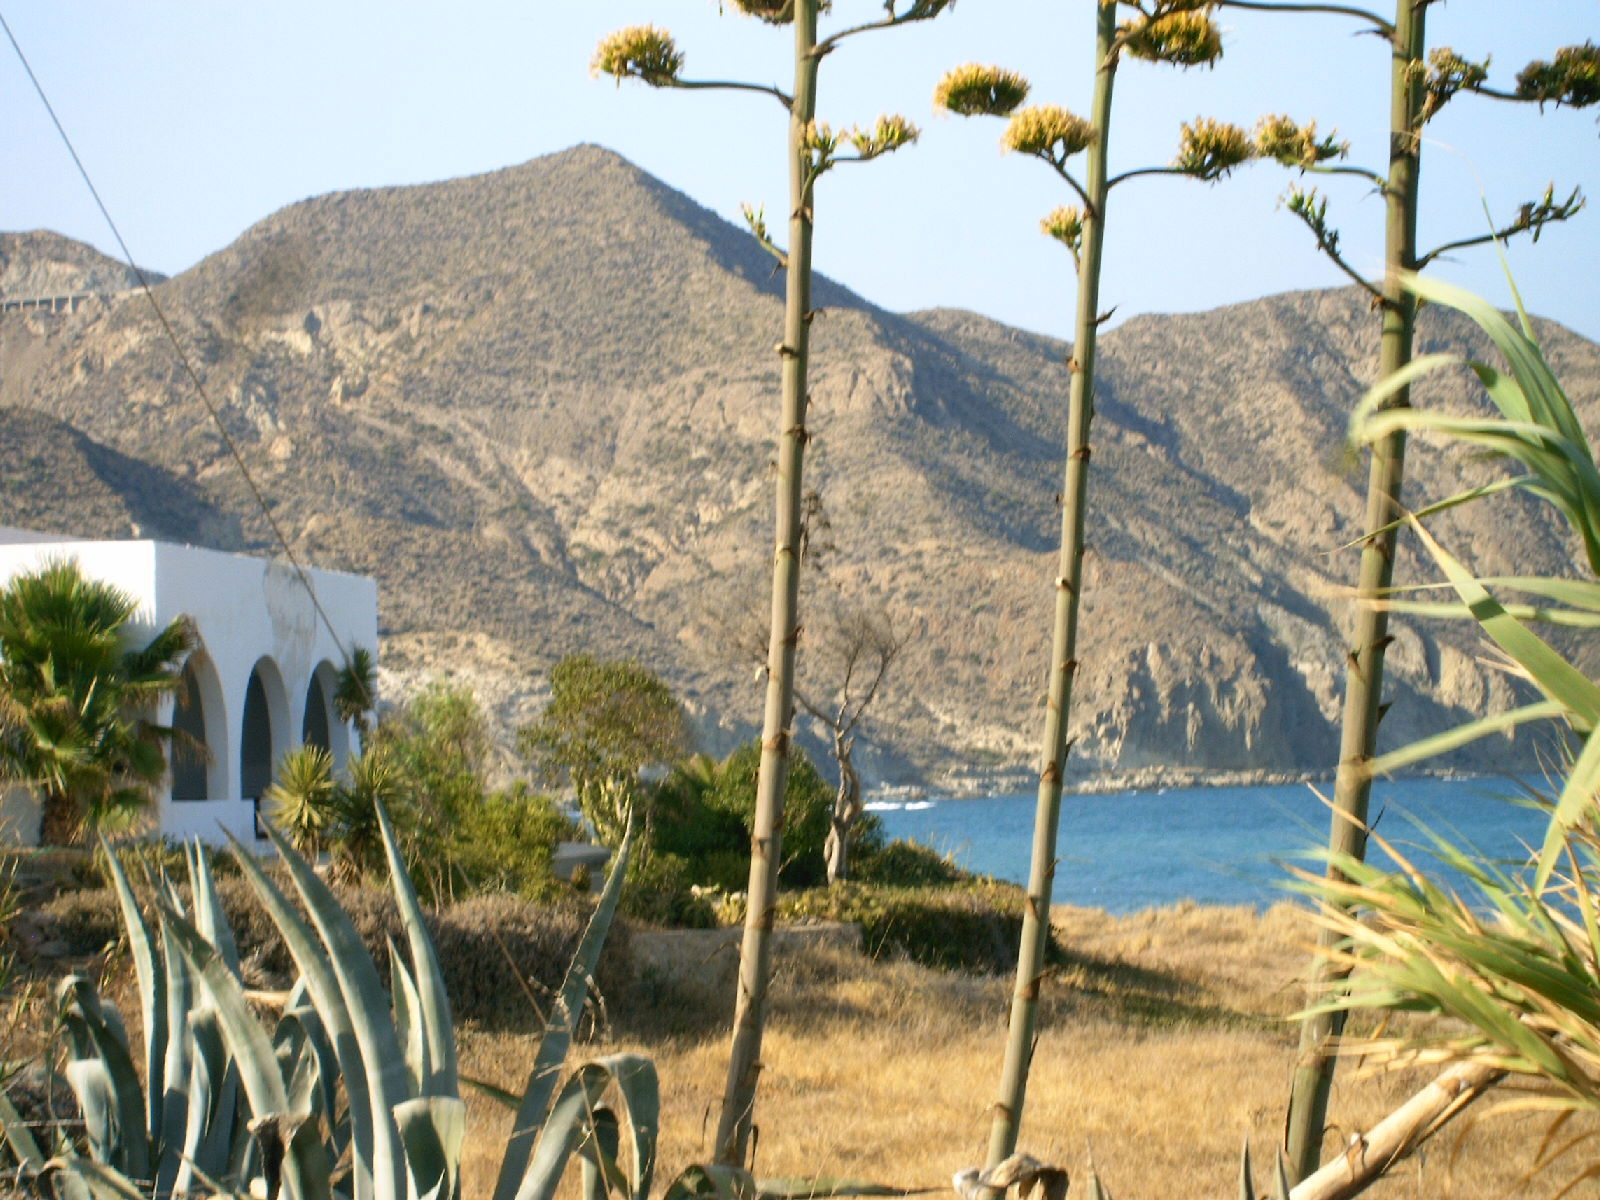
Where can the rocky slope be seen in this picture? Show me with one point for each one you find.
(537, 404)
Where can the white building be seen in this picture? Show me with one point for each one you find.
(261, 681)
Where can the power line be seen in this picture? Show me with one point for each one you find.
(177, 347)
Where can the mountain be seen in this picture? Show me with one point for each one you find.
(538, 406)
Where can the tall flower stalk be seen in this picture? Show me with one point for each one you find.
(813, 148)
(1420, 84)
(1177, 32)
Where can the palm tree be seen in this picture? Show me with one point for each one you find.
(71, 695)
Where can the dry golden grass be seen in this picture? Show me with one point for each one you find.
(1162, 1047)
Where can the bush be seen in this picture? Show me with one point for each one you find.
(660, 890)
(507, 843)
(704, 813)
(904, 863)
(86, 921)
(975, 927)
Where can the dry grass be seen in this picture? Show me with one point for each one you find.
(1162, 1048)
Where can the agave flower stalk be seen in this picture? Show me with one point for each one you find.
(813, 148)
(1177, 33)
(1420, 85)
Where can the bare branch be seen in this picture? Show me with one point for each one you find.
(1370, 1155)
(1336, 10)
(1531, 219)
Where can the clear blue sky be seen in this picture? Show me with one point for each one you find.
(200, 118)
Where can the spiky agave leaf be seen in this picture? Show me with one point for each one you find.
(976, 90)
(552, 1052)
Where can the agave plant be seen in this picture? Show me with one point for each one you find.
(348, 1069)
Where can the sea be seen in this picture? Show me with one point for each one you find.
(1127, 851)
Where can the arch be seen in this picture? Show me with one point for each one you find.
(200, 714)
(264, 730)
(322, 726)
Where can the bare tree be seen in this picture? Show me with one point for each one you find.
(843, 659)
(853, 650)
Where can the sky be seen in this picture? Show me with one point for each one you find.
(197, 119)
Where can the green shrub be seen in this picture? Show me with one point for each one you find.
(660, 890)
(507, 841)
(904, 863)
(704, 813)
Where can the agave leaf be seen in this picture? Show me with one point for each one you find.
(329, 1000)
(571, 1123)
(178, 1103)
(152, 993)
(408, 1020)
(99, 1181)
(494, 1091)
(1280, 1179)
(558, 1031)
(248, 1042)
(379, 1058)
(209, 1120)
(22, 1143)
(209, 918)
(1247, 1188)
(130, 1148)
(326, 1060)
(1577, 797)
(433, 1009)
(433, 1129)
(1414, 752)
(712, 1181)
(97, 1098)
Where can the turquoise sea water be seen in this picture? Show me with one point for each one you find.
(1220, 845)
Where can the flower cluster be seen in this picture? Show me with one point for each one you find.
(1208, 149)
(1573, 78)
(1280, 138)
(1047, 130)
(640, 52)
(1184, 38)
(976, 90)
(1449, 73)
(1065, 224)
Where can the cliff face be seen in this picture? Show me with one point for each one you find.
(538, 406)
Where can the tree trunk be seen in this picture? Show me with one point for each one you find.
(846, 811)
(1068, 588)
(1313, 1078)
(60, 820)
(744, 1058)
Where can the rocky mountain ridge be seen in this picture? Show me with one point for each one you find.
(537, 405)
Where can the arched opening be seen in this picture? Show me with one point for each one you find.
(264, 731)
(189, 747)
(255, 741)
(199, 756)
(314, 730)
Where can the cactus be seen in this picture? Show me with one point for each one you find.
(1176, 32)
(650, 55)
